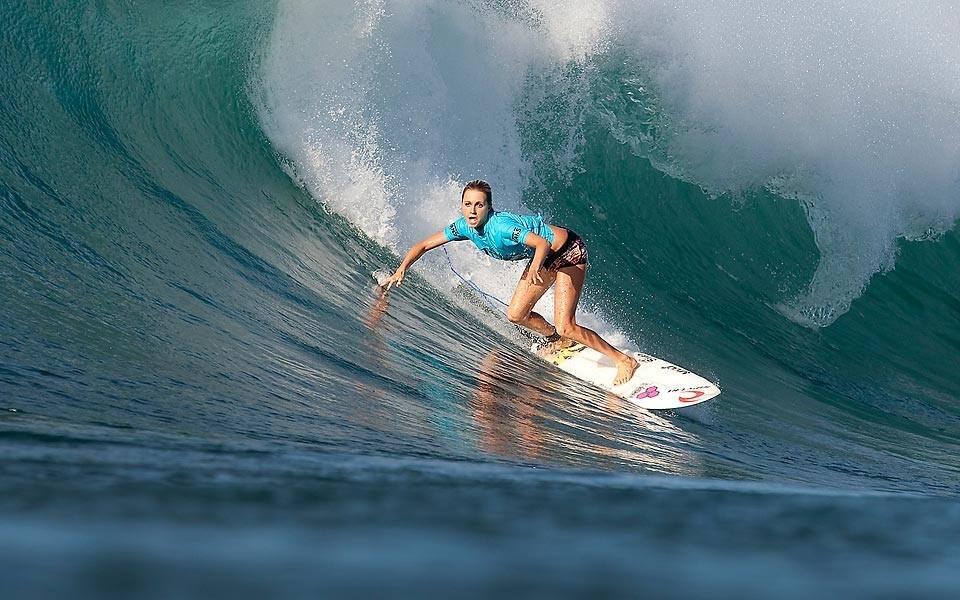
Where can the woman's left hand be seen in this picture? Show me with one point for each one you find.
(541, 249)
(534, 277)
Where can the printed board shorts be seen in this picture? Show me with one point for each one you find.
(573, 252)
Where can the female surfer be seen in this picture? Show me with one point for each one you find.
(557, 255)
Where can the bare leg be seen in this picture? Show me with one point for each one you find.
(567, 296)
(524, 298)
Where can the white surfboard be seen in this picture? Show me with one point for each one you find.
(656, 384)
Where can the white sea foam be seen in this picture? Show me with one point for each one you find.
(386, 108)
(852, 107)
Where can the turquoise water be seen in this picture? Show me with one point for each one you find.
(203, 393)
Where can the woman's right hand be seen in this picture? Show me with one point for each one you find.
(413, 255)
(396, 278)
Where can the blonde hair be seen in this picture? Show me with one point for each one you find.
(481, 185)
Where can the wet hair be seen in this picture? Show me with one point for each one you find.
(483, 186)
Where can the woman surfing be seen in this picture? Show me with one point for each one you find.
(557, 256)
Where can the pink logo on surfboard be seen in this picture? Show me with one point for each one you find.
(650, 392)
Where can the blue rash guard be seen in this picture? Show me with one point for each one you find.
(503, 234)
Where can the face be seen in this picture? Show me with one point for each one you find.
(475, 208)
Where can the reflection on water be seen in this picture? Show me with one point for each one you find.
(539, 413)
(510, 405)
(507, 420)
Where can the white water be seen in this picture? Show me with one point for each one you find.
(852, 107)
(386, 108)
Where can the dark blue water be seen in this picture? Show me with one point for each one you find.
(203, 393)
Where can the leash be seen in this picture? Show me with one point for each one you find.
(486, 297)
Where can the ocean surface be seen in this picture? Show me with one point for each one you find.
(203, 393)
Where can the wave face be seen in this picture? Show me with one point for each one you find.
(194, 202)
(739, 171)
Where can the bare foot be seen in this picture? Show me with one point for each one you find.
(554, 347)
(625, 369)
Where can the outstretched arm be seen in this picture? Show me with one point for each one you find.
(413, 255)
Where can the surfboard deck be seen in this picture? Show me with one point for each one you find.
(655, 385)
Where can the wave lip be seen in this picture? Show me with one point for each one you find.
(851, 108)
